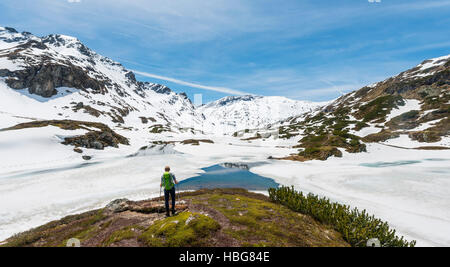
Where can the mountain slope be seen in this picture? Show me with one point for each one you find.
(409, 110)
(65, 79)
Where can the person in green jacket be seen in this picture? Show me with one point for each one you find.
(168, 181)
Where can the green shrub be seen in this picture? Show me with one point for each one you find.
(380, 107)
(360, 125)
(413, 114)
(356, 227)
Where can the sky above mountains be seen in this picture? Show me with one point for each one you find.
(309, 50)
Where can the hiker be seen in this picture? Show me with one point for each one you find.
(168, 181)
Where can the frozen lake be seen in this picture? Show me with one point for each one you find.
(408, 189)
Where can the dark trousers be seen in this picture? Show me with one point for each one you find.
(166, 197)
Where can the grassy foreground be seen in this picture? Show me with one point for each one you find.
(209, 218)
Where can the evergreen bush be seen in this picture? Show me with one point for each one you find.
(356, 227)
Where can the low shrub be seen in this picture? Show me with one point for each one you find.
(356, 227)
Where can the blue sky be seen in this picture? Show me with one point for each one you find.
(311, 50)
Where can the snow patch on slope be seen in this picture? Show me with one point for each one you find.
(426, 68)
(410, 104)
(434, 62)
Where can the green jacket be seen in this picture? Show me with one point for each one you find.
(168, 180)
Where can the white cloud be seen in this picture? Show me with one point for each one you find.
(74, 1)
(193, 85)
(327, 93)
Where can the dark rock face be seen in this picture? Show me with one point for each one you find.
(438, 79)
(382, 136)
(5, 72)
(161, 89)
(43, 79)
(31, 44)
(130, 75)
(11, 30)
(58, 40)
(425, 136)
(97, 145)
(96, 140)
(196, 142)
(100, 139)
(79, 105)
(144, 120)
(231, 99)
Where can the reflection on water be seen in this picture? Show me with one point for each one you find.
(218, 176)
(382, 164)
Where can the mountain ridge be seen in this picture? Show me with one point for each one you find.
(54, 65)
(409, 110)
(43, 64)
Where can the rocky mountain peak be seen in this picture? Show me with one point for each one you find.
(11, 35)
(64, 41)
(158, 88)
(233, 99)
(46, 66)
(59, 40)
(8, 29)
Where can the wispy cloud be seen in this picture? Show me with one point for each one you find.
(421, 5)
(331, 92)
(296, 48)
(193, 85)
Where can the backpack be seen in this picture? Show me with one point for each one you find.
(167, 181)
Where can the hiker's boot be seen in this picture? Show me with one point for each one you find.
(167, 214)
(174, 212)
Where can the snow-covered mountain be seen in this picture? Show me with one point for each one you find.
(58, 77)
(410, 110)
(249, 112)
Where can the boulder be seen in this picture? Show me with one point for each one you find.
(97, 145)
(118, 205)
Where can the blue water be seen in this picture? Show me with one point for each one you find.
(218, 176)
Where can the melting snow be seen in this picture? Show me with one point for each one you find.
(434, 62)
(410, 104)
